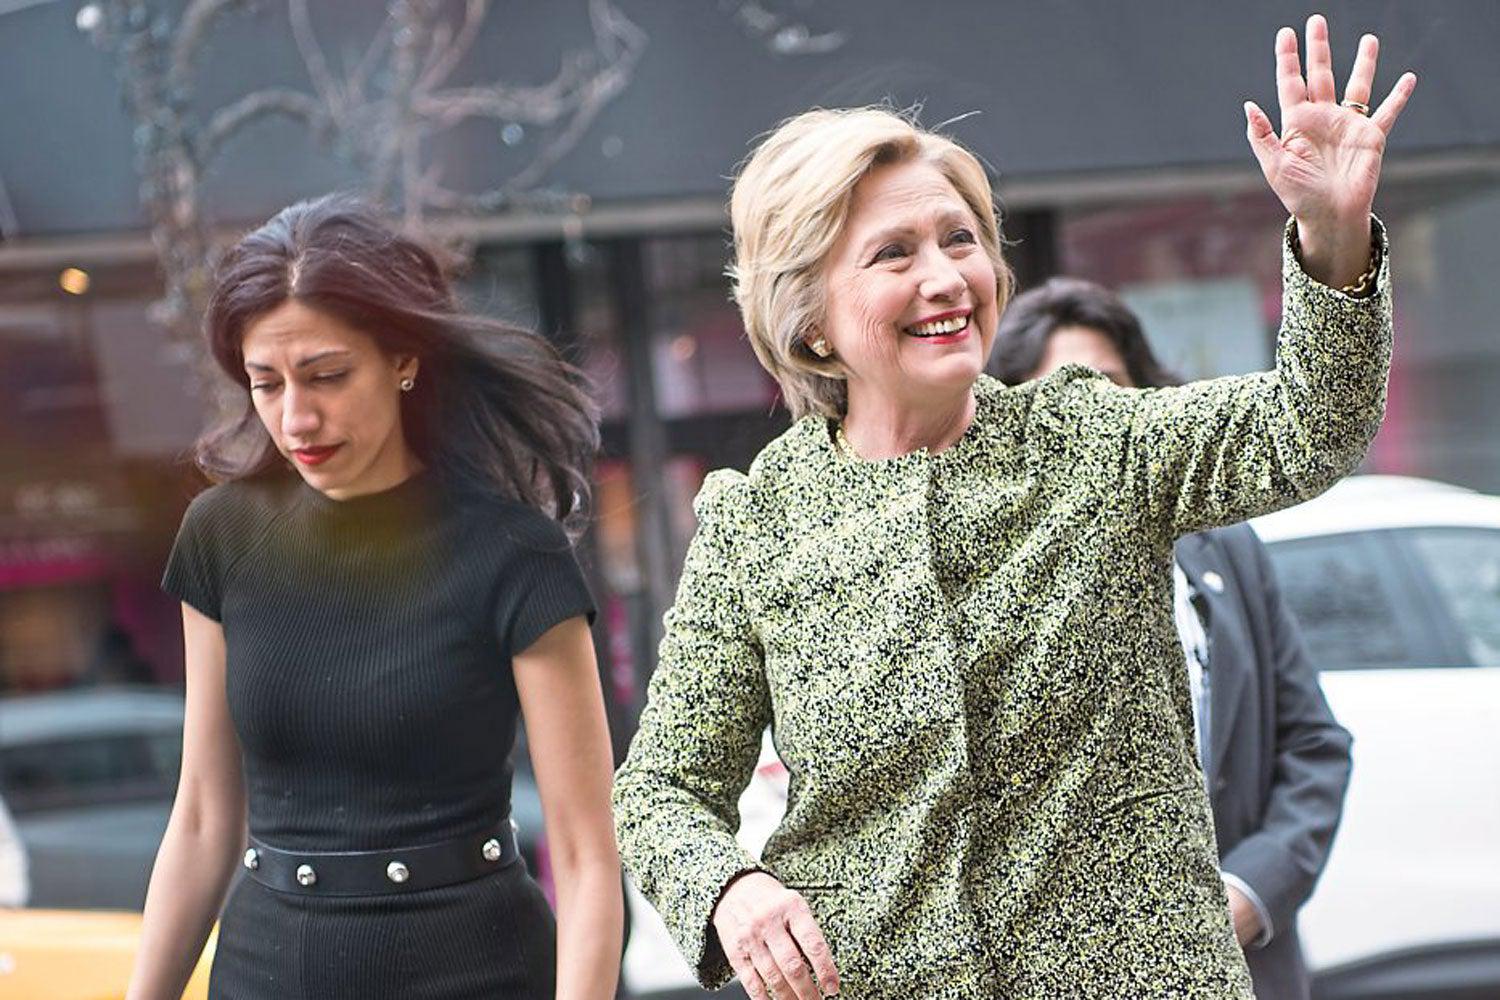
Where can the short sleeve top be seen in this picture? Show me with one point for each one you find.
(368, 650)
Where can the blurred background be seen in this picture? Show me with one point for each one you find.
(576, 152)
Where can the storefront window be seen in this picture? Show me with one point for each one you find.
(702, 360)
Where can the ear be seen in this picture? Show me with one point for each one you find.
(407, 365)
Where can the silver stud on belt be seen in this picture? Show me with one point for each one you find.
(306, 875)
(252, 859)
(491, 850)
(397, 872)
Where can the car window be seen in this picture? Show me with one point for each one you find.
(1464, 564)
(81, 772)
(1336, 587)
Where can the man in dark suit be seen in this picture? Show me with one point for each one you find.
(1275, 762)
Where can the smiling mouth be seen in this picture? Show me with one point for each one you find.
(938, 328)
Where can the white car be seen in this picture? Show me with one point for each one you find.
(1396, 583)
(89, 776)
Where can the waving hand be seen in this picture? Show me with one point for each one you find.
(1325, 164)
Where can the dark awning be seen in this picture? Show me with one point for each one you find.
(1060, 88)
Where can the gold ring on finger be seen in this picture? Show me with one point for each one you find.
(1358, 106)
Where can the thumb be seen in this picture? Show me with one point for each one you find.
(1263, 141)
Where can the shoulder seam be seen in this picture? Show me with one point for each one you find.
(254, 546)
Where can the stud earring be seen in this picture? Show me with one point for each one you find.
(408, 384)
(820, 347)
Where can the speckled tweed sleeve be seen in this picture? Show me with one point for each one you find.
(969, 665)
(707, 708)
(1224, 450)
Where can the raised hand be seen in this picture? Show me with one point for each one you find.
(1325, 164)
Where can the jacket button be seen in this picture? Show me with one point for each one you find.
(491, 850)
(397, 872)
(306, 875)
(252, 859)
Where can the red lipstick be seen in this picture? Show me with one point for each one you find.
(314, 456)
(947, 338)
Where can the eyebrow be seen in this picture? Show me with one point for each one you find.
(311, 359)
(947, 215)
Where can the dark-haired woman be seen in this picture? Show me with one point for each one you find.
(362, 634)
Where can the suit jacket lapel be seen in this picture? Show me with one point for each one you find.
(1204, 565)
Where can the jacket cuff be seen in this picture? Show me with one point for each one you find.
(706, 954)
(1267, 928)
(1279, 882)
(1293, 273)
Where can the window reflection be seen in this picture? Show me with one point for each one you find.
(1334, 587)
(1465, 566)
(702, 361)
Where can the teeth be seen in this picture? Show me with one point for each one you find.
(953, 325)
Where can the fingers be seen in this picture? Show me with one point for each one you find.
(769, 973)
(812, 944)
(743, 964)
(755, 987)
(1263, 141)
(1319, 61)
(1390, 109)
(792, 967)
(1291, 90)
(1362, 76)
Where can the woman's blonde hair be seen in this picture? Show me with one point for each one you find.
(788, 208)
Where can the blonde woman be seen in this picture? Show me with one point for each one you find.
(952, 599)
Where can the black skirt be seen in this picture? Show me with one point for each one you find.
(492, 938)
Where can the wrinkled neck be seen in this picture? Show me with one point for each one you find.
(878, 428)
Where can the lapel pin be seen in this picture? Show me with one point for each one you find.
(1214, 582)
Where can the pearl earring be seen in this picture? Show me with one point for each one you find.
(820, 347)
(408, 384)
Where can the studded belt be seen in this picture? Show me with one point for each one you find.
(371, 873)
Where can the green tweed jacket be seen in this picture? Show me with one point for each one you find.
(969, 664)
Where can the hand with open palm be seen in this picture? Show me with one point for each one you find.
(1325, 165)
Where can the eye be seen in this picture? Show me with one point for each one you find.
(962, 236)
(328, 378)
(891, 251)
(262, 386)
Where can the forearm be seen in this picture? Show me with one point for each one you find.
(1218, 452)
(192, 870)
(590, 925)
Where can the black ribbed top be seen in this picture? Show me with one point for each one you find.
(368, 650)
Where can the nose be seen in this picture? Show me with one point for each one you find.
(300, 418)
(941, 280)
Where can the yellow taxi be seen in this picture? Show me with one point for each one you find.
(77, 955)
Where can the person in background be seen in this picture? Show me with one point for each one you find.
(1275, 761)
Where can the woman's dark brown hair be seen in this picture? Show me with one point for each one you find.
(496, 410)
(1033, 316)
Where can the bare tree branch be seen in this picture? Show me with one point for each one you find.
(384, 111)
(438, 71)
(233, 117)
(312, 56)
(196, 20)
(354, 84)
